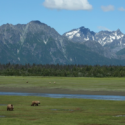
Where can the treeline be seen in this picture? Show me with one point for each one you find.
(61, 70)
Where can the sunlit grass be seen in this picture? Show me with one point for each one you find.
(77, 83)
(61, 111)
(55, 111)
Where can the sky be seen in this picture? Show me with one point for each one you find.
(65, 15)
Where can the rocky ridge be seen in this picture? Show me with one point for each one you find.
(36, 42)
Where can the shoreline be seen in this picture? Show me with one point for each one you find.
(61, 91)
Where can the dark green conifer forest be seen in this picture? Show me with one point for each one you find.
(61, 70)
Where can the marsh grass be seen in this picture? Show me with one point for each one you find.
(61, 111)
(74, 83)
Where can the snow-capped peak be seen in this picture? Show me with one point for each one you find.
(104, 37)
(73, 33)
(83, 34)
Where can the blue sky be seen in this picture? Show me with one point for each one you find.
(65, 15)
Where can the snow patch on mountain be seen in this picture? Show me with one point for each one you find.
(18, 51)
(71, 34)
(78, 34)
(83, 34)
(18, 58)
(45, 41)
(104, 37)
(93, 38)
(86, 39)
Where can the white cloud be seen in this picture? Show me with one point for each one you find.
(67, 4)
(107, 8)
(103, 28)
(121, 9)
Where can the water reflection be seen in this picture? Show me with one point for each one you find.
(98, 97)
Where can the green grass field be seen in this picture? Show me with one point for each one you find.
(62, 111)
(77, 83)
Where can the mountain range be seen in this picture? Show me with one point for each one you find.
(111, 42)
(38, 43)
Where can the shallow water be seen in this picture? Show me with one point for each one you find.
(98, 97)
(120, 116)
(3, 104)
(2, 116)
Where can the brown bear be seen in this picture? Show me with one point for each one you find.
(10, 107)
(35, 103)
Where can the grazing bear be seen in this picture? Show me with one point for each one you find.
(10, 107)
(35, 103)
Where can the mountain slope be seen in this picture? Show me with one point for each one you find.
(121, 52)
(34, 42)
(38, 43)
(83, 34)
(111, 41)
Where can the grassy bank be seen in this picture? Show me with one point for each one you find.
(79, 83)
(62, 111)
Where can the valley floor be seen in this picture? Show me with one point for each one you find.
(63, 85)
(62, 111)
(60, 91)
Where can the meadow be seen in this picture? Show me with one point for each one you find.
(73, 83)
(62, 111)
